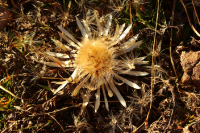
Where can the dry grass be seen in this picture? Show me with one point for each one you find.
(163, 104)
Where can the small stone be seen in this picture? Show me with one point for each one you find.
(191, 67)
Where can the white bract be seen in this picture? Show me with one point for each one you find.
(95, 59)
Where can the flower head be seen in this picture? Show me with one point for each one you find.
(95, 59)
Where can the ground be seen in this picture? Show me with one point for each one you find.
(168, 100)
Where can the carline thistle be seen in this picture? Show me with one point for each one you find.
(95, 59)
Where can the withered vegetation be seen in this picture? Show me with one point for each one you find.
(168, 95)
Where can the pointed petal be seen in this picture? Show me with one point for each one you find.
(74, 74)
(58, 55)
(128, 48)
(131, 46)
(64, 83)
(140, 62)
(141, 58)
(76, 90)
(97, 103)
(130, 41)
(118, 32)
(91, 85)
(82, 29)
(57, 60)
(51, 64)
(134, 85)
(87, 29)
(108, 25)
(60, 88)
(64, 47)
(69, 35)
(61, 82)
(125, 32)
(135, 73)
(68, 40)
(105, 98)
(68, 63)
(110, 93)
(99, 25)
(121, 28)
(117, 93)
(86, 99)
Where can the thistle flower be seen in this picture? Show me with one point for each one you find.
(95, 59)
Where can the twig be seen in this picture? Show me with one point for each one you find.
(152, 65)
(174, 107)
(170, 49)
(57, 122)
(67, 14)
(130, 13)
(1, 87)
(172, 88)
(57, 110)
(152, 73)
(195, 11)
(197, 33)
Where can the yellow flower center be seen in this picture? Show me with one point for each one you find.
(95, 58)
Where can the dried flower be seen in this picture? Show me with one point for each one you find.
(192, 100)
(95, 59)
(117, 6)
(115, 123)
